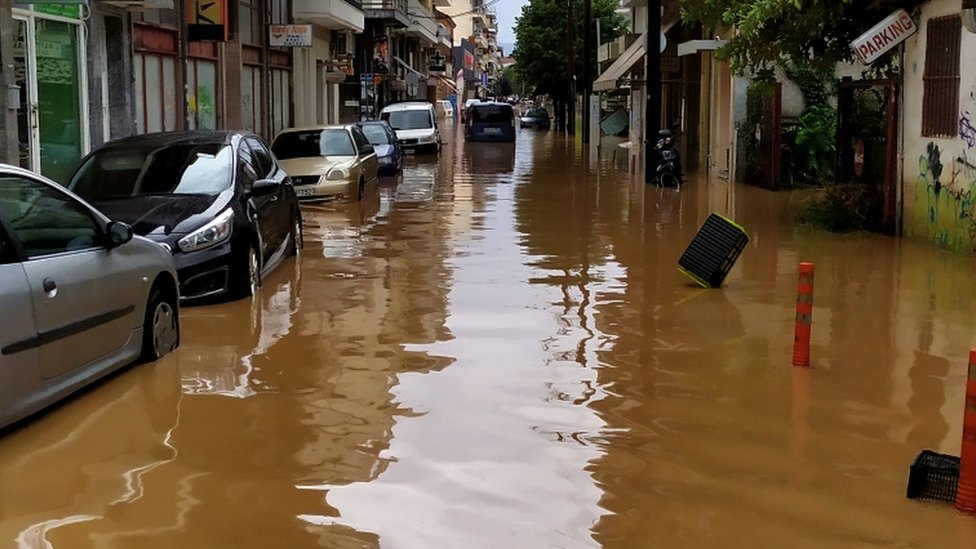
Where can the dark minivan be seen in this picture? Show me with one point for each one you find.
(490, 122)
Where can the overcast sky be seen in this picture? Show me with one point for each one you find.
(507, 11)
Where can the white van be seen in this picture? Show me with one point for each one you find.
(415, 124)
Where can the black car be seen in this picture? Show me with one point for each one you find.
(536, 117)
(216, 199)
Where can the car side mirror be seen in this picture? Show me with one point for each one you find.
(264, 187)
(367, 149)
(118, 233)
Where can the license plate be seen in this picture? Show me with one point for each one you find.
(305, 192)
(492, 131)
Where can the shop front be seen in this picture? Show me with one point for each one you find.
(49, 62)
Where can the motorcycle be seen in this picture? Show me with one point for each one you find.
(668, 160)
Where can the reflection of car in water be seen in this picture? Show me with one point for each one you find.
(219, 360)
(488, 158)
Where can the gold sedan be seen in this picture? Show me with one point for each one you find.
(327, 161)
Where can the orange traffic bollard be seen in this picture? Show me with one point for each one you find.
(804, 316)
(966, 492)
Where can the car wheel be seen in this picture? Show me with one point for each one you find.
(297, 239)
(248, 277)
(161, 327)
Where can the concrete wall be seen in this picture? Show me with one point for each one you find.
(465, 23)
(939, 175)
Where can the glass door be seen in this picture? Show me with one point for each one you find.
(48, 71)
(58, 97)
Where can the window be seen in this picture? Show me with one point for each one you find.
(249, 22)
(359, 138)
(376, 134)
(251, 98)
(250, 173)
(8, 254)
(312, 143)
(940, 100)
(155, 85)
(279, 12)
(46, 221)
(262, 158)
(201, 76)
(280, 100)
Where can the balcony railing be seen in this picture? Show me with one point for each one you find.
(395, 10)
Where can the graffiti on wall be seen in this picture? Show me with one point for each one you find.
(945, 196)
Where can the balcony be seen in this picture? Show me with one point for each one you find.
(331, 14)
(394, 11)
(422, 23)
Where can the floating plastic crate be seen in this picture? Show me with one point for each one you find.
(933, 477)
(713, 251)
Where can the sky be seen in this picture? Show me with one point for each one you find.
(507, 11)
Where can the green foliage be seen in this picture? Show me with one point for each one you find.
(508, 83)
(845, 208)
(810, 141)
(540, 42)
(771, 32)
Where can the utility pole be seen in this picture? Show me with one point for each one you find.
(181, 16)
(587, 66)
(652, 111)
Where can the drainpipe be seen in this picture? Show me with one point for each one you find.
(184, 54)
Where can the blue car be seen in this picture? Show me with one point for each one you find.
(386, 145)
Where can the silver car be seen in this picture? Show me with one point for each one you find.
(79, 296)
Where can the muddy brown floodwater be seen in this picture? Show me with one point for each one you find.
(499, 352)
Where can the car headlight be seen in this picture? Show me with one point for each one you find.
(337, 174)
(211, 234)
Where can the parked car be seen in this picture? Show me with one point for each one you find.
(217, 199)
(445, 108)
(328, 161)
(490, 122)
(415, 124)
(535, 117)
(466, 108)
(80, 295)
(384, 141)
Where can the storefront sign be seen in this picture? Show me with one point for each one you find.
(291, 35)
(469, 61)
(206, 20)
(884, 36)
(436, 65)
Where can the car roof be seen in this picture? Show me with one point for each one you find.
(492, 104)
(160, 139)
(408, 106)
(317, 128)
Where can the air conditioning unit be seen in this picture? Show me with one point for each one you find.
(343, 44)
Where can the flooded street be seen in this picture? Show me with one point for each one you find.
(498, 351)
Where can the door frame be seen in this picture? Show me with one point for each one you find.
(30, 17)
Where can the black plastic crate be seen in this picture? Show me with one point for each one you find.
(933, 477)
(713, 251)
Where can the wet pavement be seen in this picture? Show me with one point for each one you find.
(498, 351)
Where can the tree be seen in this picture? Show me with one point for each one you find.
(540, 39)
(772, 32)
(508, 83)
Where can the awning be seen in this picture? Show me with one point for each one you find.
(621, 65)
(449, 83)
(694, 46)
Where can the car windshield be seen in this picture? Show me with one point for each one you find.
(491, 114)
(311, 143)
(537, 113)
(180, 168)
(376, 134)
(408, 120)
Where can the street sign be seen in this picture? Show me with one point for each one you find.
(291, 35)
(206, 20)
(884, 36)
(436, 65)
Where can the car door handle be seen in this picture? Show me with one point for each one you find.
(49, 285)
